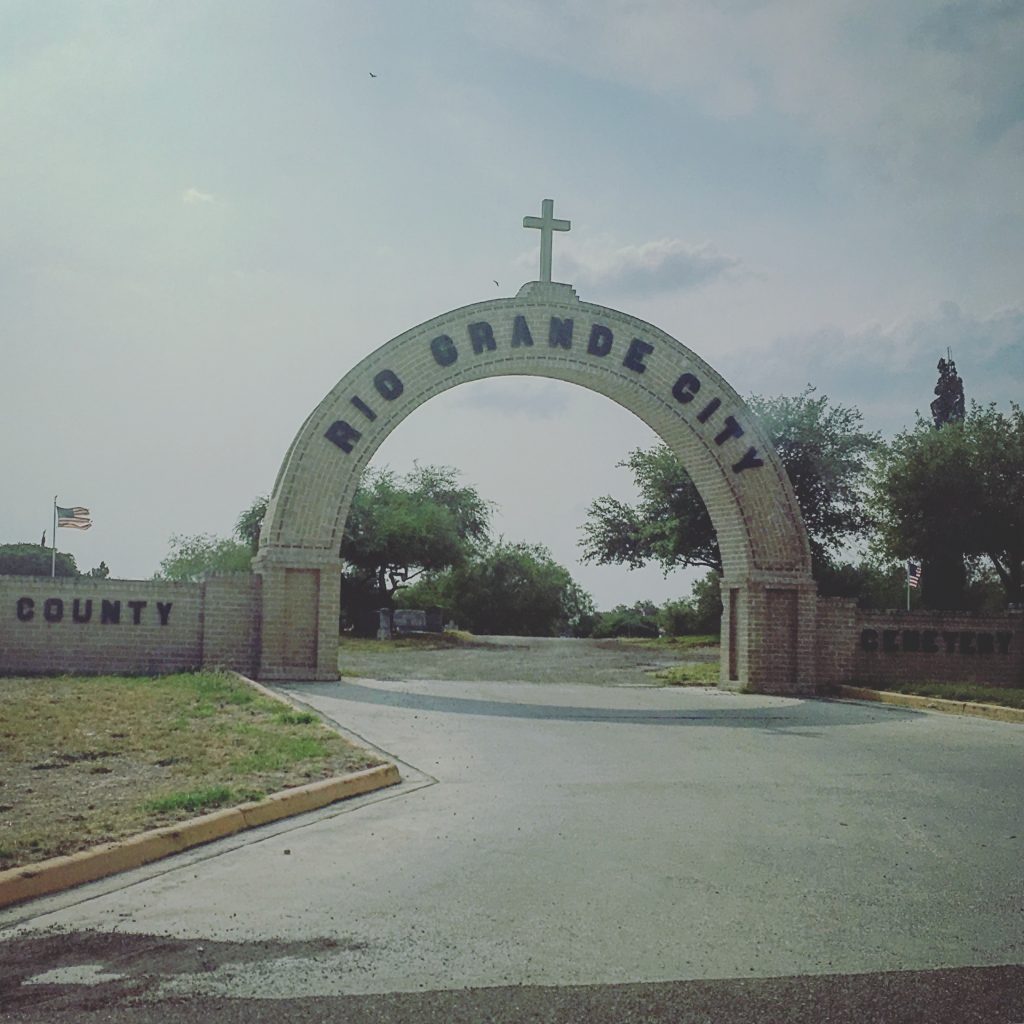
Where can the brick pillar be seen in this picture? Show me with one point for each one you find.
(769, 624)
(301, 603)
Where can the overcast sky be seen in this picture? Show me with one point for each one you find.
(211, 211)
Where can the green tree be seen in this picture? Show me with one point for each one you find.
(400, 527)
(637, 620)
(824, 449)
(874, 583)
(509, 589)
(958, 490)
(250, 522)
(192, 558)
(34, 560)
(698, 615)
(944, 573)
(101, 572)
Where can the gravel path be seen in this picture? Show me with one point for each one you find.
(522, 659)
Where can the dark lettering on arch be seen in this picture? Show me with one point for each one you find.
(363, 408)
(637, 352)
(708, 411)
(481, 336)
(560, 333)
(26, 609)
(343, 434)
(750, 460)
(685, 388)
(80, 614)
(521, 333)
(443, 349)
(600, 342)
(110, 613)
(53, 609)
(731, 429)
(136, 607)
(388, 385)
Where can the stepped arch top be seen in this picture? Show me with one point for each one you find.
(544, 331)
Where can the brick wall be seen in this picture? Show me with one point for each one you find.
(136, 627)
(835, 640)
(939, 646)
(231, 622)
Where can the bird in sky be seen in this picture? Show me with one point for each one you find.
(372, 75)
(496, 285)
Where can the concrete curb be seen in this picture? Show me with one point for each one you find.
(58, 873)
(995, 712)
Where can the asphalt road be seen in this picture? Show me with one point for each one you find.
(561, 851)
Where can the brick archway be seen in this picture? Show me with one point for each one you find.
(769, 597)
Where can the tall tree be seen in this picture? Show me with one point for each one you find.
(33, 560)
(944, 576)
(510, 589)
(825, 451)
(196, 556)
(959, 491)
(399, 527)
(250, 522)
(948, 407)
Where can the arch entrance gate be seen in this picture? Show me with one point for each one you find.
(767, 590)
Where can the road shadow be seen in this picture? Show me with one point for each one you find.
(796, 715)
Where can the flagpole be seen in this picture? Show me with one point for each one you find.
(53, 537)
(906, 569)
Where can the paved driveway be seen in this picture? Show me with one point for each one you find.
(555, 834)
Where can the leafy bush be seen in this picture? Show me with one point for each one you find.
(34, 560)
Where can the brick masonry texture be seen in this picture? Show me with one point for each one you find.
(281, 622)
(953, 647)
(546, 331)
(143, 627)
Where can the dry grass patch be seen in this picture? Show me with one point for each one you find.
(701, 673)
(88, 760)
(410, 641)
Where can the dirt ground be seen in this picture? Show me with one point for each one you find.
(521, 659)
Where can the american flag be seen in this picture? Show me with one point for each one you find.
(76, 517)
(913, 574)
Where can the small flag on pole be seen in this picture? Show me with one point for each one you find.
(77, 517)
(913, 574)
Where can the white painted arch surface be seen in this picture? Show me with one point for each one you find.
(544, 331)
(754, 510)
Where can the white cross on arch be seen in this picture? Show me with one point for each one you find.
(547, 224)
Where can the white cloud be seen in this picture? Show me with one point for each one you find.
(193, 195)
(908, 95)
(663, 265)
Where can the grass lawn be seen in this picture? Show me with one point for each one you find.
(85, 760)
(670, 643)
(450, 638)
(700, 673)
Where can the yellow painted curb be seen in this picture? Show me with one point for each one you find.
(995, 712)
(58, 873)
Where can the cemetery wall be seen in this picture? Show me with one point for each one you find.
(953, 647)
(145, 627)
(834, 647)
